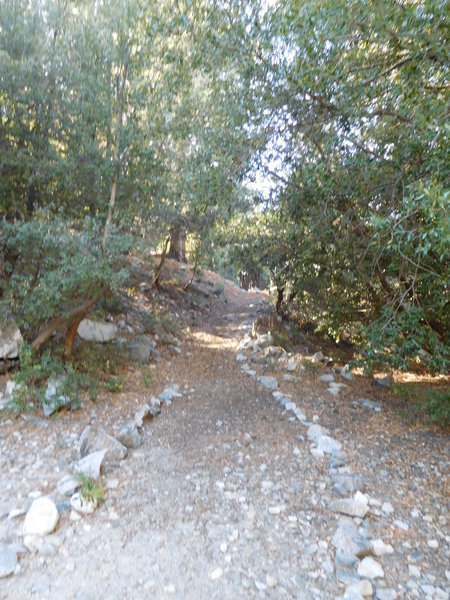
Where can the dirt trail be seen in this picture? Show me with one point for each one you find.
(224, 499)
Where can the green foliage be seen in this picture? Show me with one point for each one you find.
(54, 266)
(437, 407)
(147, 376)
(35, 371)
(359, 231)
(91, 490)
(428, 404)
(114, 384)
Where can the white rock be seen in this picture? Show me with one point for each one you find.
(268, 382)
(81, 505)
(42, 517)
(370, 568)
(317, 453)
(91, 464)
(386, 594)
(354, 507)
(363, 587)
(387, 508)
(291, 406)
(93, 331)
(68, 485)
(8, 560)
(328, 444)
(335, 388)
(10, 338)
(74, 516)
(169, 393)
(401, 525)
(216, 574)
(315, 432)
(414, 571)
(241, 357)
(292, 365)
(433, 544)
(319, 357)
(276, 510)
(380, 548)
(327, 378)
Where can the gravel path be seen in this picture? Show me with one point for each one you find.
(227, 497)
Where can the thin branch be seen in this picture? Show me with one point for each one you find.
(390, 113)
(397, 65)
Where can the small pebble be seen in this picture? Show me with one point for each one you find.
(216, 574)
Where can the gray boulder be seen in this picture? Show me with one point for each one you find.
(348, 540)
(91, 464)
(95, 438)
(353, 507)
(146, 412)
(315, 432)
(94, 331)
(328, 444)
(169, 393)
(268, 381)
(347, 483)
(129, 436)
(53, 399)
(142, 348)
(10, 337)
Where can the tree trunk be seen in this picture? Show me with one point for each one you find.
(115, 179)
(161, 263)
(177, 249)
(280, 295)
(59, 322)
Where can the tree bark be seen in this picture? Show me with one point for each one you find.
(115, 179)
(177, 249)
(161, 263)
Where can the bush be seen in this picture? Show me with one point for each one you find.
(35, 371)
(52, 266)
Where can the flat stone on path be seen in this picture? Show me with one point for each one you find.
(42, 517)
(8, 560)
(268, 382)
